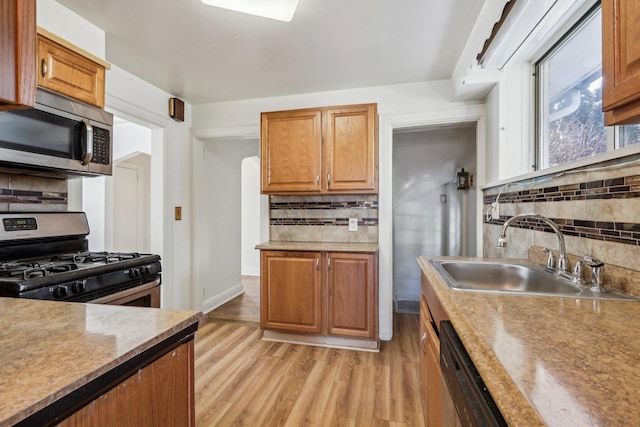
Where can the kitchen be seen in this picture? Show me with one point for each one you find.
(500, 114)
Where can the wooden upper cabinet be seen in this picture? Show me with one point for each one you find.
(352, 149)
(291, 291)
(621, 61)
(291, 151)
(352, 297)
(66, 71)
(320, 150)
(17, 54)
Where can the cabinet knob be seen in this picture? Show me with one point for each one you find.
(43, 67)
(328, 179)
(328, 262)
(422, 341)
(317, 179)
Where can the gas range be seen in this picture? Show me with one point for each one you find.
(45, 256)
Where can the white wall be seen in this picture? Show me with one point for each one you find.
(64, 23)
(254, 216)
(404, 98)
(140, 102)
(130, 138)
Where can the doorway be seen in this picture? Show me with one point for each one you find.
(226, 201)
(131, 204)
(431, 217)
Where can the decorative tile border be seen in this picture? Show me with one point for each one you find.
(618, 232)
(36, 197)
(325, 205)
(360, 204)
(625, 187)
(616, 188)
(323, 221)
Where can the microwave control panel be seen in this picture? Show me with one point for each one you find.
(101, 143)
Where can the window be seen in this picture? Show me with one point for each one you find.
(569, 99)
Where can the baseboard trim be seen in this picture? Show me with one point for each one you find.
(322, 341)
(217, 300)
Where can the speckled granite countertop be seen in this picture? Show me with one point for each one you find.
(550, 361)
(49, 349)
(318, 246)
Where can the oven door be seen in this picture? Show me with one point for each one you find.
(145, 295)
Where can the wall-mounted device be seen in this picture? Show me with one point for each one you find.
(463, 180)
(176, 109)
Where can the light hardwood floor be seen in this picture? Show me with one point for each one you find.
(244, 381)
(243, 309)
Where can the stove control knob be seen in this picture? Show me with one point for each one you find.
(146, 269)
(60, 292)
(79, 286)
(134, 273)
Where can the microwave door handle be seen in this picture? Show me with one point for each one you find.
(88, 145)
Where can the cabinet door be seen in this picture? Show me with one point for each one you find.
(17, 54)
(621, 61)
(351, 141)
(424, 324)
(433, 374)
(160, 394)
(352, 295)
(291, 151)
(67, 72)
(291, 291)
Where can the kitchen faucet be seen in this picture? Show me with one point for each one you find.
(562, 266)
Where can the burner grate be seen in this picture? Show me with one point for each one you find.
(95, 257)
(30, 269)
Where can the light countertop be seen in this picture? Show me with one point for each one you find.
(49, 349)
(318, 246)
(548, 360)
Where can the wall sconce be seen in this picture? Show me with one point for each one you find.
(463, 180)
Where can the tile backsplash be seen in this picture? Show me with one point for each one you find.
(323, 218)
(597, 209)
(21, 193)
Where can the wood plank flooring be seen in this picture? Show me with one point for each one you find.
(244, 381)
(242, 309)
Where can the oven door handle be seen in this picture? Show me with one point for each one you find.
(146, 287)
(87, 142)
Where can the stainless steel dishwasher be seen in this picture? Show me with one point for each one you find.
(463, 387)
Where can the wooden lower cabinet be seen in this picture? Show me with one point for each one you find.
(160, 394)
(323, 293)
(430, 367)
(291, 291)
(351, 295)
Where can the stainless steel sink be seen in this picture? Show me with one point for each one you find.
(518, 277)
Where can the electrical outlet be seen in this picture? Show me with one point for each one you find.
(353, 224)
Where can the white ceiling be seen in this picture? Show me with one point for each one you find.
(204, 54)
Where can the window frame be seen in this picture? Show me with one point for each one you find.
(541, 104)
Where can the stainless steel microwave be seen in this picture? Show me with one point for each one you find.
(59, 136)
